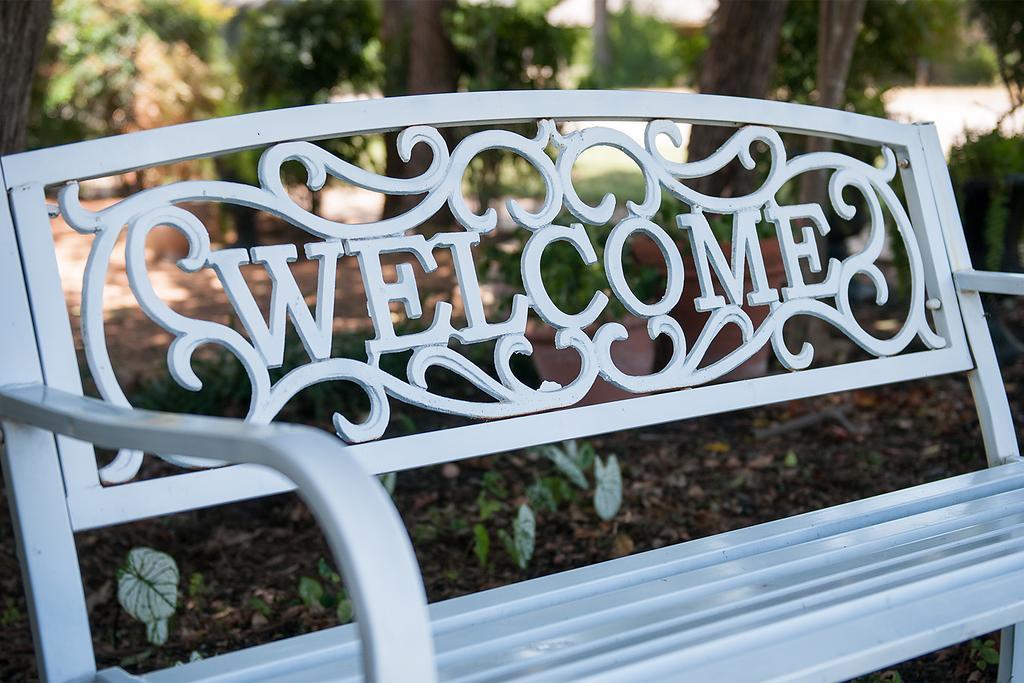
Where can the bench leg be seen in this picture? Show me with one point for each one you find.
(1011, 668)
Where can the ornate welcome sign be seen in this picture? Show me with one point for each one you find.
(262, 347)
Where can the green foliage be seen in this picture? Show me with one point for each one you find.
(568, 459)
(1004, 25)
(502, 46)
(196, 587)
(113, 66)
(294, 53)
(147, 589)
(509, 46)
(481, 543)
(991, 156)
(647, 52)
(10, 615)
(311, 592)
(570, 282)
(261, 606)
(520, 543)
(329, 594)
(984, 653)
(893, 35)
(494, 484)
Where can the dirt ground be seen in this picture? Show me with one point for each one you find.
(241, 564)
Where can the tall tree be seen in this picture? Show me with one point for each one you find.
(23, 24)
(740, 61)
(838, 25)
(420, 60)
(602, 44)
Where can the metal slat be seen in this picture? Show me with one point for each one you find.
(800, 572)
(719, 599)
(801, 605)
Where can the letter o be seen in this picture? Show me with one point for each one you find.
(617, 277)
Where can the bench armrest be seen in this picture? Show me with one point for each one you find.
(990, 282)
(363, 528)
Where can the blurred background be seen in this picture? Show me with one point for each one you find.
(79, 69)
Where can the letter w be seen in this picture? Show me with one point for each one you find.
(286, 301)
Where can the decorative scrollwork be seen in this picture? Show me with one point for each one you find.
(440, 184)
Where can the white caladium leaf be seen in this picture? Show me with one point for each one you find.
(147, 588)
(608, 491)
(524, 531)
(565, 460)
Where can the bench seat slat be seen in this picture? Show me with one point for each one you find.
(719, 607)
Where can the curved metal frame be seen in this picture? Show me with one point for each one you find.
(354, 510)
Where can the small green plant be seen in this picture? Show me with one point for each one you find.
(984, 653)
(147, 589)
(889, 676)
(261, 606)
(520, 543)
(196, 587)
(10, 615)
(572, 461)
(994, 158)
(325, 592)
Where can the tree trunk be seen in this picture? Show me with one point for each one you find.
(838, 24)
(740, 61)
(23, 24)
(422, 52)
(602, 46)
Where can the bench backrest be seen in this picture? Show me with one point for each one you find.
(943, 331)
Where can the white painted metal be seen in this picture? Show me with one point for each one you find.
(997, 427)
(137, 500)
(986, 380)
(973, 542)
(95, 158)
(987, 281)
(353, 509)
(823, 596)
(53, 329)
(35, 492)
(441, 184)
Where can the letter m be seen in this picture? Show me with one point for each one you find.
(708, 256)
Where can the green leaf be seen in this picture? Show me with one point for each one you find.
(344, 611)
(481, 543)
(510, 545)
(487, 506)
(585, 456)
(196, 585)
(524, 531)
(147, 588)
(325, 571)
(608, 491)
(494, 484)
(261, 606)
(540, 497)
(310, 591)
(791, 460)
(564, 460)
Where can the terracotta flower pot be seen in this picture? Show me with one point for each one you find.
(728, 339)
(633, 355)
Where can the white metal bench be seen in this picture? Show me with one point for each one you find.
(821, 596)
